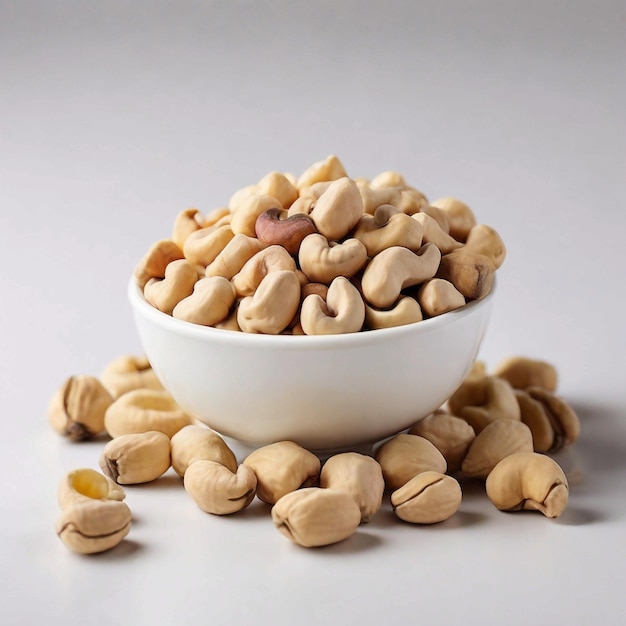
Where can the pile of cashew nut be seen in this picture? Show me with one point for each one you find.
(321, 253)
(501, 427)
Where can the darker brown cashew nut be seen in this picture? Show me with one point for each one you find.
(274, 227)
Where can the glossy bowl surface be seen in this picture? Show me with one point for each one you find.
(324, 392)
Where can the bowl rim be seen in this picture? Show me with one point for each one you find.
(221, 335)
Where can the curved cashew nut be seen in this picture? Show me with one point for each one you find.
(323, 262)
(126, 373)
(232, 258)
(186, 222)
(472, 274)
(387, 227)
(373, 197)
(460, 216)
(433, 233)
(209, 303)
(277, 185)
(92, 519)
(202, 246)
(143, 410)
(330, 168)
(528, 481)
(198, 443)
(338, 209)
(270, 259)
(275, 227)
(438, 215)
(272, 306)
(244, 219)
(437, 296)
(499, 402)
(343, 311)
(483, 239)
(405, 311)
(165, 293)
(154, 262)
(395, 268)
(522, 372)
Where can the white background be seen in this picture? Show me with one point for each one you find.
(116, 116)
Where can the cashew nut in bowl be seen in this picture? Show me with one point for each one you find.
(461, 219)
(395, 268)
(234, 255)
(275, 227)
(405, 311)
(244, 218)
(322, 262)
(342, 312)
(178, 283)
(329, 169)
(433, 233)
(209, 303)
(254, 270)
(277, 185)
(338, 209)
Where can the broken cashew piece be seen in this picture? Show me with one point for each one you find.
(528, 481)
(395, 268)
(342, 312)
(91, 520)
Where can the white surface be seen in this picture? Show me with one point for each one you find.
(113, 119)
(326, 392)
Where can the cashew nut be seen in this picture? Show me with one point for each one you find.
(405, 311)
(357, 475)
(186, 222)
(136, 458)
(437, 296)
(432, 232)
(428, 498)
(154, 262)
(460, 216)
(126, 373)
(522, 372)
(202, 246)
(405, 456)
(275, 227)
(282, 467)
(451, 435)
(233, 257)
(495, 442)
(218, 490)
(483, 239)
(277, 185)
(314, 517)
(395, 268)
(165, 293)
(273, 258)
(528, 481)
(387, 227)
(93, 518)
(329, 169)
(143, 410)
(342, 312)
(77, 409)
(198, 443)
(273, 304)
(209, 303)
(244, 218)
(322, 261)
(472, 274)
(338, 209)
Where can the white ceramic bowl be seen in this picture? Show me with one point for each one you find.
(324, 392)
